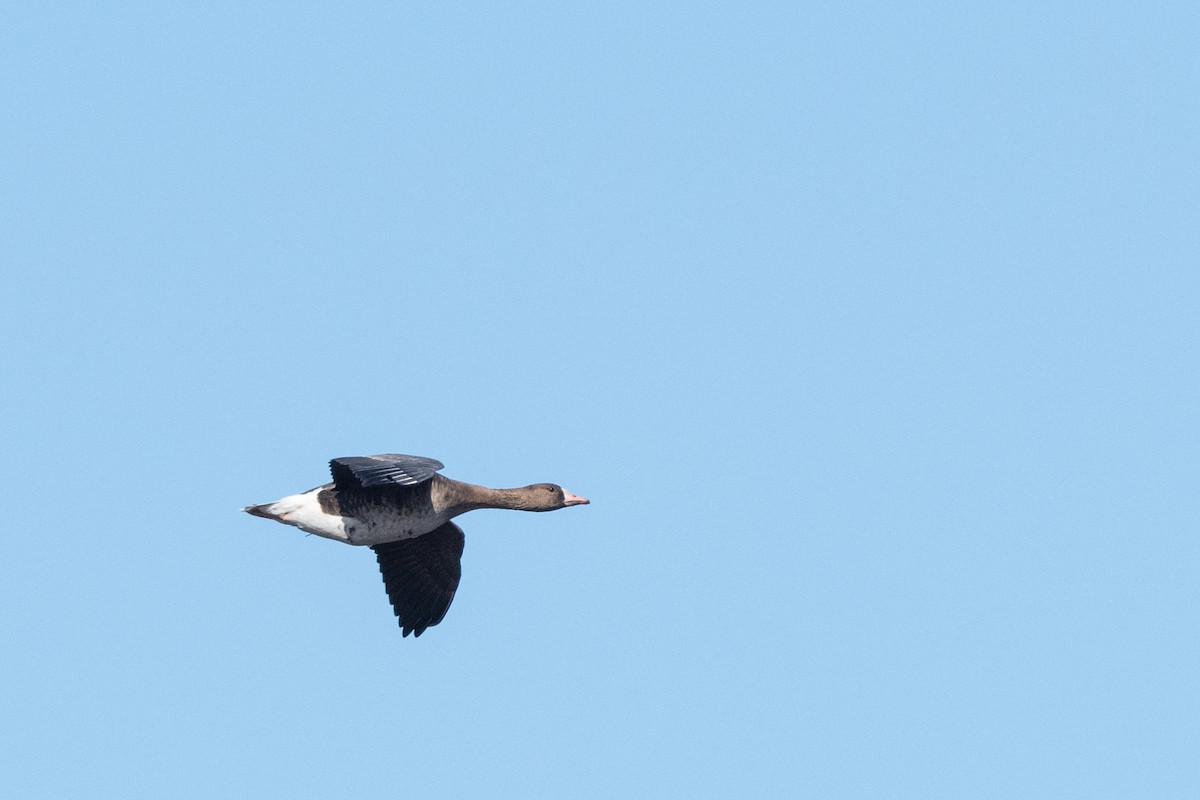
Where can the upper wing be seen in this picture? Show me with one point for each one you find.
(392, 469)
(421, 575)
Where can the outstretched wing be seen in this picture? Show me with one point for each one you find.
(391, 469)
(421, 575)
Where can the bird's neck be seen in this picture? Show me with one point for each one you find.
(456, 497)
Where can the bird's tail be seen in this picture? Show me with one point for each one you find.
(261, 511)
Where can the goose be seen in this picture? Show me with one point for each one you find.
(400, 507)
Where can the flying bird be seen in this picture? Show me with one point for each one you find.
(401, 508)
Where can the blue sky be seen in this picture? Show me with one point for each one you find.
(870, 330)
